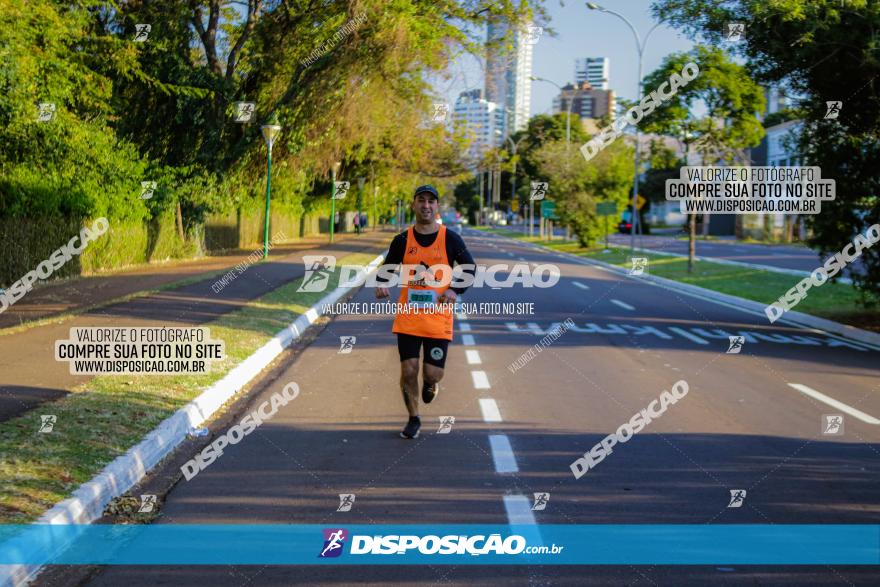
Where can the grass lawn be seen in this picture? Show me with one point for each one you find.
(747, 241)
(106, 416)
(834, 301)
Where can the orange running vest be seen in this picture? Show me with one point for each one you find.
(430, 324)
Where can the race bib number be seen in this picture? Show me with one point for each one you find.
(422, 298)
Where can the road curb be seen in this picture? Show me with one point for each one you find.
(791, 317)
(87, 502)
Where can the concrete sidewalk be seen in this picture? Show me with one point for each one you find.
(29, 374)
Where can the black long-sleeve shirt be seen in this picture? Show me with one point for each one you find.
(456, 252)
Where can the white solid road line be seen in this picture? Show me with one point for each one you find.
(623, 305)
(688, 335)
(481, 380)
(467, 339)
(464, 327)
(473, 357)
(502, 454)
(490, 410)
(580, 285)
(867, 418)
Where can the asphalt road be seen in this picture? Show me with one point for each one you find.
(780, 256)
(741, 426)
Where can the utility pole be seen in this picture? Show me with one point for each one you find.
(480, 211)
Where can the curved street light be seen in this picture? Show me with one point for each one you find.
(333, 171)
(568, 112)
(514, 146)
(270, 134)
(640, 47)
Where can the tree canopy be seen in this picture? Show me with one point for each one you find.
(820, 51)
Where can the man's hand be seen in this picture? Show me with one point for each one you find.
(448, 297)
(382, 292)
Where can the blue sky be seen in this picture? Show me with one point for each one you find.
(581, 32)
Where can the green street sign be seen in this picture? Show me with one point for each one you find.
(548, 209)
(606, 209)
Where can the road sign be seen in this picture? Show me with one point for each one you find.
(514, 206)
(640, 202)
(548, 209)
(606, 209)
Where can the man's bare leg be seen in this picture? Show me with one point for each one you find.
(431, 375)
(409, 385)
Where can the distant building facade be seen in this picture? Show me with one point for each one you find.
(586, 101)
(595, 70)
(509, 73)
(483, 121)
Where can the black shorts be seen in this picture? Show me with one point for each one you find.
(410, 347)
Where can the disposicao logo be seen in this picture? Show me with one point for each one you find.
(334, 542)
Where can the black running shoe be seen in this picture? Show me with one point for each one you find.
(412, 428)
(429, 392)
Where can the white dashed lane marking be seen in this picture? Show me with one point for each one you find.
(502, 454)
(490, 410)
(623, 305)
(580, 285)
(481, 380)
(464, 327)
(473, 357)
(519, 510)
(817, 395)
(467, 339)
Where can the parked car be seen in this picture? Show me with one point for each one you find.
(625, 224)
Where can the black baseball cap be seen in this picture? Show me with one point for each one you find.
(427, 188)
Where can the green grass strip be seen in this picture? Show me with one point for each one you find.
(109, 414)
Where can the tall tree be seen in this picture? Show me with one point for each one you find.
(716, 114)
(577, 188)
(822, 50)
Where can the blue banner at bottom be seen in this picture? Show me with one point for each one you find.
(270, 544)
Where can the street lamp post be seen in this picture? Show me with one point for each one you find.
(514, 145)
(480, 211)
(361, 181)
(640, 47)
(373, 181)
(568, 111)
(333, 172)
(270, 133)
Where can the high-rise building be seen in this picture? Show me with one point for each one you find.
(596, 70)
(586, 101)
(509, 72)
(483, 121)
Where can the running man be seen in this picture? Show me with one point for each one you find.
(426, 243)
